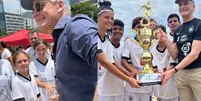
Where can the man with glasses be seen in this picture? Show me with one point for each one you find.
(75, 47)
(187, 38)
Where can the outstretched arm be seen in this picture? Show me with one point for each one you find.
(140, 8)
(151, 11)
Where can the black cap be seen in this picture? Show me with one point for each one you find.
(177, 1)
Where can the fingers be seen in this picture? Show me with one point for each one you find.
(163, 78)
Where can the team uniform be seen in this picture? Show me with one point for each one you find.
(45, 73)
(188, 77)
(31, 53)
(110, 88)
(6, 76)
(24, 89)
(168, 91)
(131, 53)
(6, 53)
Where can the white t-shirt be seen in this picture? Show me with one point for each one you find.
(107, 83)
(25, 88)
(45, 74)
(6, 53)
(6, 76)
(169, 89)
(31, 53)
(118, 84)
(132, 52)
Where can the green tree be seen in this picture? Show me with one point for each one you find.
(2, 32)
(86, 8)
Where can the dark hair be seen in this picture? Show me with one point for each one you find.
(19, 47)
(119, 23)
(104, 6)
(173, 15)
(152, 19)
(39, 41)
(16, 54)
(3, 44)
(32, 31)
(160, 26)
(137, 21)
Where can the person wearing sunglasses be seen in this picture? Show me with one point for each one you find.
(187, 38)
(173, 22)
(75, 47)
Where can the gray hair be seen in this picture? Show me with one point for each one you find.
(66, 8)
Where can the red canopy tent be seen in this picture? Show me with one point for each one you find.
(21, 38)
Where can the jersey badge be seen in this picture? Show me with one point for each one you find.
(191, 29)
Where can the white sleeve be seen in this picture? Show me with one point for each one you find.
(7, 53)
(36, 88)
(32, 69)
(125, 52)
(17, 90)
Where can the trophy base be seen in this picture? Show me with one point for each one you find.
(149, 79)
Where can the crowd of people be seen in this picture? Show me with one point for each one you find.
(88, 62)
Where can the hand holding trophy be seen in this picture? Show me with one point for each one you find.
(145, 37)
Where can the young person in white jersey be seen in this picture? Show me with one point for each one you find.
(106, 68)
(187, 38)
(33, 36)
(167, 92)
(6, 77)
(131, 61)
(24, 87)
(117, 89)
(43, 70)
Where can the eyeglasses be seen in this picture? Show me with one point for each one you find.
(40, 5)
(173, 21)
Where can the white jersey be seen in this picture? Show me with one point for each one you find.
(6, 53)
(31, 53)
(169, 89)
(132, 53)
(118, 84)
(170, 37)
(25, 88)
(45, 74)
(107, 82)
(6, 76)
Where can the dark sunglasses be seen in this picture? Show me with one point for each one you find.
(173, 21)
(40, 5)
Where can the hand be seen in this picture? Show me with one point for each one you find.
(166, 76)
(131, 75)
(161, 35)
(54, 98)
(126, 38)
(48, 88)
(133, 83)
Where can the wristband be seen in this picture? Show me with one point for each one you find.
(175, 69)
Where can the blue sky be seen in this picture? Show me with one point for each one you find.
(126, 10)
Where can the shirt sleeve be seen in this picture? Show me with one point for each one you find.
(197, 35)
(32, 69)
(36, 88)
(17, 90)
(126, 52)
(82, 36)
(7, 53)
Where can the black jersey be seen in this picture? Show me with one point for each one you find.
(184, 36)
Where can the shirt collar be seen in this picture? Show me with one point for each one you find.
(61, 24)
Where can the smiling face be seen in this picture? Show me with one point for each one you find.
(47, 17)
(173, 23)
(106, 20)
(117, 32)
(152, 25)
(22, 63)
(32, 38)
(41, 50)
(186, 8)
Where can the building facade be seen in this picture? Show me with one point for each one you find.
(77, 1)
(2, 16)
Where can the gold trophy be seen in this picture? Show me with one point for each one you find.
(145, 37)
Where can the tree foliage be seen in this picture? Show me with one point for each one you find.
(2, 32)
(86, 8)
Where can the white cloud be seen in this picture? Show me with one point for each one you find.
(13, 6)
(126, 10)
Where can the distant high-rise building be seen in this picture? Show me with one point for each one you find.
(14, 22)
(29, 21)
(2, 16)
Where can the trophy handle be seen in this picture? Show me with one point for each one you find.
(155, 41)
(134, 41)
